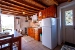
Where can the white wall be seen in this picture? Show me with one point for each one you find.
(34, 17)
(22, 24)
(16, 25)
(66, 4)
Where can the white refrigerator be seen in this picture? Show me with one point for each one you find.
(49, 32)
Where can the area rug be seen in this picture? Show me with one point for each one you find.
(66, 47)
(27, 38)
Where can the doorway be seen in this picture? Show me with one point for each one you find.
(68, 24)
(7, 23)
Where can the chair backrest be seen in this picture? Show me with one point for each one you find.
(6, 42)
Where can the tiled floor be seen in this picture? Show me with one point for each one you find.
(34, 45)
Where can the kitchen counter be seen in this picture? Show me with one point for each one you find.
(34, 32)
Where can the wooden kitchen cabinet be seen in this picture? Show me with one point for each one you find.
(28, 31)
(34, 33)
(31, 32)
(48, 12)
(43, 14)
(51, 11)
(37, 34)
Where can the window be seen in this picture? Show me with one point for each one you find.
(69, 18)
(7, 22)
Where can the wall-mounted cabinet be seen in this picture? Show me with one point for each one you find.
(51, 11)
(48, 12)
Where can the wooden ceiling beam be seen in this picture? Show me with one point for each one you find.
(27, 4)
(7, 12)
(16, 12)
(69, 0)
(15, 9)
(15, 5)
(13, 13)
(34, 3)
(39, 1)
(4, 9)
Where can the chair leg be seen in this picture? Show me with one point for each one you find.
(1, 46)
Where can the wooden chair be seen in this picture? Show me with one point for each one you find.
(6, 42)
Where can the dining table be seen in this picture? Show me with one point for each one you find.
(17, 38)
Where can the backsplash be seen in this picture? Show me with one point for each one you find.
(35, 24)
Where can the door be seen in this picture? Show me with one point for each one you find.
(68, 24)
(0, 19)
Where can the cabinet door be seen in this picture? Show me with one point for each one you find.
(40, 15)
(46, 13)
(52, 11)
(29, 32)
(37, 36)
(33, 33)
(49, 12)
(43, 14)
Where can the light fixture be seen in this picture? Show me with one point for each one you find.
(23, 12)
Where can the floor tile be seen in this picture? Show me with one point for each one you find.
(34, 45)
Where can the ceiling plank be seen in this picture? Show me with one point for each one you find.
(28, 4)
(69, 0)
(20, 5)
(9, 7)
(13, 13)
(34, 3)
(39, 1)
(4, 9)
(16, 12)
(15, 9)
(60, 1)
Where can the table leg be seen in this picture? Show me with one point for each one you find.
(19, 47)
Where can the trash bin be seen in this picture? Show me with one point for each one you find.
(41, 37)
